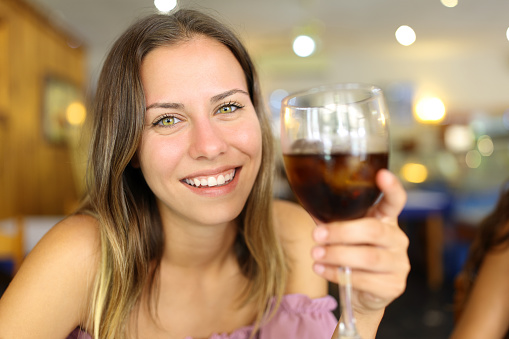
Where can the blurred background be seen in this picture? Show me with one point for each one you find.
(443, 65)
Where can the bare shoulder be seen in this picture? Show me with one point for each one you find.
(49, 295)
(490, 291)
(75, 240)
(292, 219)
(294, 227)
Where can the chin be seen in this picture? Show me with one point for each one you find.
(220, 215)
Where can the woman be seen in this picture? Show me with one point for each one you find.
(179, 236)
(481, 300)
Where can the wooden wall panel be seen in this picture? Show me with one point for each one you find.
(41, 172)
(7, 183)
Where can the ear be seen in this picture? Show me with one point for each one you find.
(135, 162)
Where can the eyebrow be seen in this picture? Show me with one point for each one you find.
(171, 105)
(226, 94)
(215, 98)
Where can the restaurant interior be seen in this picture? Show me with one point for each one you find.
(443, 66)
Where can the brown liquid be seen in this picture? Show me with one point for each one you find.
(337, 186)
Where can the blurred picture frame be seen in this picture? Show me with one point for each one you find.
(58, 94)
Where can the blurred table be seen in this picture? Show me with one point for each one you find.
(432, 209)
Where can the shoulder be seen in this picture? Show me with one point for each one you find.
(50, 293)
(489, 291)
(73, 241)
(293, 225)
(294, 228)
(287, 212)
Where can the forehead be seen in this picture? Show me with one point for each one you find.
(198, 64)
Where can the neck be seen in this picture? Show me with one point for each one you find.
(198, 247)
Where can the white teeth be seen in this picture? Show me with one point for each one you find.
(212, 181)
(220, 179)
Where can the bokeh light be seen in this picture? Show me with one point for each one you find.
(430, 110)
(164, 6)
(414, 173)
(304, 46)
(505, 119)
(459, 138)
(76, 113)
(276, 97)
(473, 159)
(485, 145)
(405, 35)
(449, 3)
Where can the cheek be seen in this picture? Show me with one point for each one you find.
(158, 158)
(250, 139)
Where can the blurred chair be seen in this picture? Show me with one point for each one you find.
(432, 208)
(11, 244)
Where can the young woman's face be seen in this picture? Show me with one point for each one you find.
(201, 146)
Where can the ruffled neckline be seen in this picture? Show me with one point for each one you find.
(290, 303)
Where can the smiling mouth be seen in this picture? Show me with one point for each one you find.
(211, 181)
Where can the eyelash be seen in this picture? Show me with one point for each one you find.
(230, 103)
(226, 104)
(166, 116)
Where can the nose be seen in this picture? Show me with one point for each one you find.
(208, 140)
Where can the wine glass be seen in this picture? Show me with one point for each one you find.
(334, 139)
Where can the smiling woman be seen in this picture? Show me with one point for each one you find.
(179, 236)
(203, 109)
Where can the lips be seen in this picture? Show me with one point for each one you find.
(211, 180)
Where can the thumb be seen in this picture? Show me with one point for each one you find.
(394, 196)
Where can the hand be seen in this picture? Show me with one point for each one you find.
(374, 247)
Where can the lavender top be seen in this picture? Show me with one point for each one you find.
(297, 317)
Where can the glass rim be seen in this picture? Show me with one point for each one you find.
(370, 88)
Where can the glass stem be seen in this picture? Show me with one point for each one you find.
(347, 329)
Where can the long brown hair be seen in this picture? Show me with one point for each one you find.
(130, 225)
(492, 235)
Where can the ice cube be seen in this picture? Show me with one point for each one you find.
(306, 146)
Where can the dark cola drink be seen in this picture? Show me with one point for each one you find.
(334, 187)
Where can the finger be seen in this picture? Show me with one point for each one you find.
(394, 196)
(365, 231)
(363, 258)
(383, 286)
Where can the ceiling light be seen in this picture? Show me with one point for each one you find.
(430, 110)
(449, 3)
(507, 33)
(405, 35)
(304, 46)
(164, 6)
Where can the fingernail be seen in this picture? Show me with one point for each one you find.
(319, 269)
(318, 253)
(320, 233)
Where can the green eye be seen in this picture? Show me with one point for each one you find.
(229, 108)
(168, 121)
